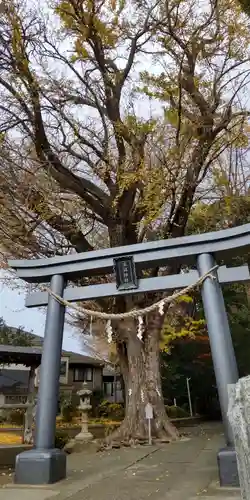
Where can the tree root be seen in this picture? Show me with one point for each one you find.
(127, 436)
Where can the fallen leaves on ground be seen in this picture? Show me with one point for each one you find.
(10, 426)
(10, 438)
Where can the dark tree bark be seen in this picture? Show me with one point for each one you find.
(139, 362)
(140, 367)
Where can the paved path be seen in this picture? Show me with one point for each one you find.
(185, 470)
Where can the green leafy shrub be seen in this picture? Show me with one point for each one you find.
(75, 401)
(68, 408)
(114, 411)
(67, 412)
(16, 417)
(103, 408)
(61, 439)
(3, 418)
(96, 399)
(176, 412)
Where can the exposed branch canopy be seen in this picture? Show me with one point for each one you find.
(78, 156)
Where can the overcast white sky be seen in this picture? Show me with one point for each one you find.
(14, 313)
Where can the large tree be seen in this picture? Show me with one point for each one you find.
(112, 116)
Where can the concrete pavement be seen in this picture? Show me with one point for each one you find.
(185, 470)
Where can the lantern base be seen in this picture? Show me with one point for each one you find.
(84, 437)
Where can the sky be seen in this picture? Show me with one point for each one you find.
(14, 313)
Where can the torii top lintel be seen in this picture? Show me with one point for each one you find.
(223, 244)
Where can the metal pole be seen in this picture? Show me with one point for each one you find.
(222, 350)
(115, 384)
(149, 432)
(50, 369)
(189, 398)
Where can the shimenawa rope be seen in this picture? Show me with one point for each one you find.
(134, 313)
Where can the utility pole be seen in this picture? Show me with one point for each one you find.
(189, 397)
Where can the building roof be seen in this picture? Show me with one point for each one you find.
(28, 356)
(12, 354)
(37, 343)
(74, 357)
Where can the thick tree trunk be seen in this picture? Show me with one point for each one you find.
(139, 364)
(143, 385)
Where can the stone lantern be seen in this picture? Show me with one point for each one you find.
(84, 436)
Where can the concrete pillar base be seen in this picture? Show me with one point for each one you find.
(40, 467)
(228, 469)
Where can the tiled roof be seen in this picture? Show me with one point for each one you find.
(74, 357)
(29, 356)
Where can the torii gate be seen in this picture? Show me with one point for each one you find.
(45, 464)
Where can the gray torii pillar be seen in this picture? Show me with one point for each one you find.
(45, 464)
(225, 367)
